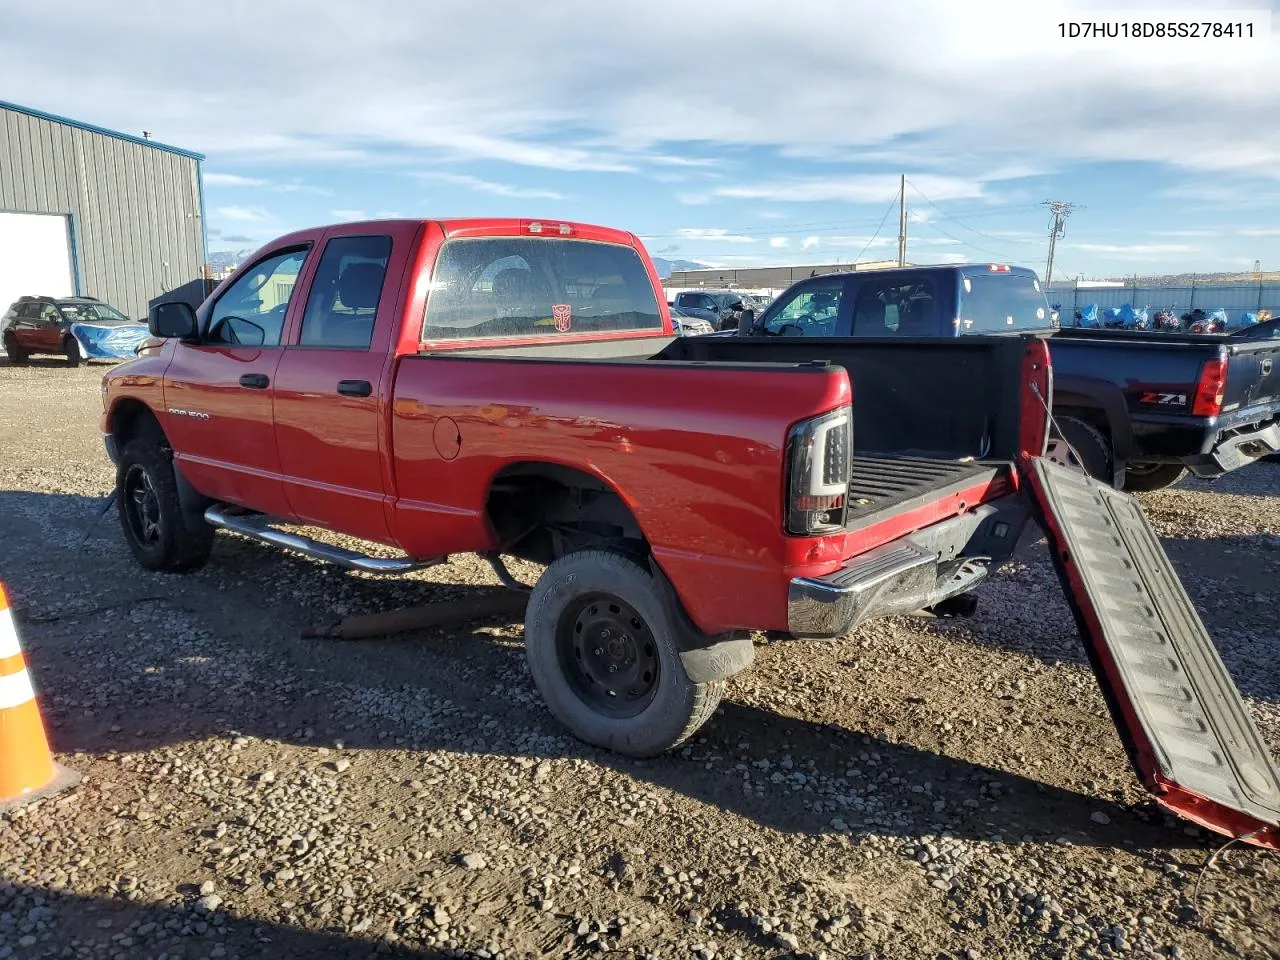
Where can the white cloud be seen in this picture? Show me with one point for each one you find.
(810, 242)
(488, 186)
(231, 180)
(718, 234)
(345, 214)
(863, 188)
(996, 91)
(1259, 231)
(779, 243)
(243, 214)
(1134, 249)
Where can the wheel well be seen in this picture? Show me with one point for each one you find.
(541, 511)
(1096, 417)
(132, 419)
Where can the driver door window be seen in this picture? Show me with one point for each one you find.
(810, 312)
(251, 313)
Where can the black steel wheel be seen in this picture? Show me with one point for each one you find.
(151, 512)
(603, 644)
(141, 506)
(608, 654)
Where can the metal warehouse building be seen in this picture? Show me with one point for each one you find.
(90, 212)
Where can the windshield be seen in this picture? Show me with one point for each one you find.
(91, 312)
(992, 302)
(525, 286)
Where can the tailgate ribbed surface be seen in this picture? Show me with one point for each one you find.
(879, 482)
(1190, 713)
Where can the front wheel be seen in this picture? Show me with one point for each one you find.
(151, 513)
(17, 356)
(601, 642)
(1140, 477)
(71, 349)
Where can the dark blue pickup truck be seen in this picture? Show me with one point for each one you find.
(1136, 408)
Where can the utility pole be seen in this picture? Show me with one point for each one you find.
(902, 221)
(1060, 210)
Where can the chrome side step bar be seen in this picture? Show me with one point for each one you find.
(256, 526)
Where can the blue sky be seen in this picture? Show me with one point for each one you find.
(733, 133)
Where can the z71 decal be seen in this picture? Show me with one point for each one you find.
(1165, 399)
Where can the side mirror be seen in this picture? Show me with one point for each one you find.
(747, 323)
(174, 320)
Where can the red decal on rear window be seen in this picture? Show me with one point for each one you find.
(562, 314)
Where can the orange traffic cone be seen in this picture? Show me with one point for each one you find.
(27, 770)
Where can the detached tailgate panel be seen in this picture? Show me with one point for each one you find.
(1188, 732)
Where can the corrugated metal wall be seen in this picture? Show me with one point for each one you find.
(1235, 298)
(135, 208)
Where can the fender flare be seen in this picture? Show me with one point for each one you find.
(1073, 390)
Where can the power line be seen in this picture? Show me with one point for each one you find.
(969, 243)
(965, 225)
(887, 210)
(807, 227)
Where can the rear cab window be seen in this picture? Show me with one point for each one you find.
(488, 288)
(995, 302)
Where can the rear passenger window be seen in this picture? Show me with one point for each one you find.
(892, 308)
(343, 302)
(525, 286)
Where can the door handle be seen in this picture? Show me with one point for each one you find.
(355, 388)
(255, 381)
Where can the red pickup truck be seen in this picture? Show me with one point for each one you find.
(512, 387)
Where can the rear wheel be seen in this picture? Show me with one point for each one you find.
(71, 349)
(151, 513)
(601, 644)
(1152, 476)
(1080, 446)
(17, 356)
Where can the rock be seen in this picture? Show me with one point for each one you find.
(1099, 817)
(788, 941)
(473, 861)
(209, 902)
(207, 888)
(341, 765)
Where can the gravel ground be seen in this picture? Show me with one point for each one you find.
(920, 789)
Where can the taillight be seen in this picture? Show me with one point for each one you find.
(1210, 388)
(819, 451)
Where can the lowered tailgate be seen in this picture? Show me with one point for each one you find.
(1187, 730)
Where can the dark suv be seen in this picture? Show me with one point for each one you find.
(721, 308)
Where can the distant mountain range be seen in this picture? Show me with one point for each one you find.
(222, 260)
(1186, 279)
(665, 267)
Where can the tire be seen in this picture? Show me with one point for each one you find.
(151, 514)
(1139, 477)
(1085, 448)
(71, 349)
(577, 604)
(17, 356)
